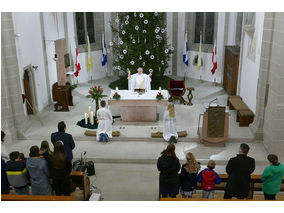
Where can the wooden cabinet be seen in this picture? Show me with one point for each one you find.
(231, 68)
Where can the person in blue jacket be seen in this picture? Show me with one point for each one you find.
(208, 178)
(66, 139)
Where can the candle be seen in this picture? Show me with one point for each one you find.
(116, 88)
(90, 109)
(92, 118)
(86, 118)
(160, 88)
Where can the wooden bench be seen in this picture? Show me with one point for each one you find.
(244, 115)
(233, 96)
(11, 197)
(80, 179)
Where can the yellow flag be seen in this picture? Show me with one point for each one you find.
(199, 54)
(89, 54)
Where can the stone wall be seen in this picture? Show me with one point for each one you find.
(13, 120)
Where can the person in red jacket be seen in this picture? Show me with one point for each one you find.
(208, 178)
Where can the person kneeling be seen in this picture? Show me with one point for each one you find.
(104, 116)
(169, 130)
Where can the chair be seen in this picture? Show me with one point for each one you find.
(176, 90)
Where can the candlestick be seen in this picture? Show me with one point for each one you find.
(86, 118)
(92, 118)
(90, 109)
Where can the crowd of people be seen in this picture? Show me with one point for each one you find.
(238, 168)
(46, 172)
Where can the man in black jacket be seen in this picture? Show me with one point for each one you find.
(66, 139)
(239, 170)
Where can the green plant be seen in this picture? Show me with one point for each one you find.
(140, 40)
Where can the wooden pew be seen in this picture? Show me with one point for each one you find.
(80, 179)
(198, 199)
(11, 197)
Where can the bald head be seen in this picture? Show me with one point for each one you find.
(140, 70)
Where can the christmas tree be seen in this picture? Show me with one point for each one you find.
(140, 40)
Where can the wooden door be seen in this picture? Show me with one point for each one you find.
(27, 92)
(231, 69)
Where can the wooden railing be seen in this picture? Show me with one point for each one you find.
(79, 179)
(255, 185)
(11, 197)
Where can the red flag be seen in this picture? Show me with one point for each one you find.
(77, 65)
(214, 59)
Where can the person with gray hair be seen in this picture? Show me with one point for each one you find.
(139, 80)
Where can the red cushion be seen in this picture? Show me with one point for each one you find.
(176, 92)
(176, 84)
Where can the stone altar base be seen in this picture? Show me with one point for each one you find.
(139, 113)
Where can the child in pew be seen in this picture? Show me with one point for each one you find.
(208, 178)
(188, 175)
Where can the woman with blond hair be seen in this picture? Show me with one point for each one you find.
(188, 175)
(45, 150)
(170, 131)
(169, 166)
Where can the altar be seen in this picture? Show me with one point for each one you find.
(135, 107)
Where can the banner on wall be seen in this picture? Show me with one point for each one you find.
(199, 53)
(77, 64)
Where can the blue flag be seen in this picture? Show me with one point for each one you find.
(185, 55)
(104, 54)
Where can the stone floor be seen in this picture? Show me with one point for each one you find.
(126, 166)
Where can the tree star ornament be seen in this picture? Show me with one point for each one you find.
(147, 52)
(136, 27)
(124, 52)
(141, 15)
(152, 57)
(146, 21)
(132, 62)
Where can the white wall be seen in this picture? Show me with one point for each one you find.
(232, 28)
(97, 71)
(220, 47)
(30, 52)
(249, 70)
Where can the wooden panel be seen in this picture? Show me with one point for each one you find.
(35, 198)
(61, 50)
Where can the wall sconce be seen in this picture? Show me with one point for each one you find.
(55, 57)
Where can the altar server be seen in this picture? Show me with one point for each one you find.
(104, 131)
(170, 131)
(139, 80)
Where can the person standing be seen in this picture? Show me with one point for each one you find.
(188, 175)
(60, 170)
(239, 170)
(208, 178)
(104, 131)
(139, 80)
(38, 170)
(66, 138)
(169, 166)
(169, 120)
(272, 177)
(5, 186)
(4, 153)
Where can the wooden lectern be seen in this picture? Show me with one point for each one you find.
(215, 127)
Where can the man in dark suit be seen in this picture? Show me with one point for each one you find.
(66, 138)
(239, 170)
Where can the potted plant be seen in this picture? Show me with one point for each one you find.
(96, 93)
(116, 96)
(159, 96)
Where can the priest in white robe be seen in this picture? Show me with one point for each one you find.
(169, 121)
(139, 80)
(104, 117)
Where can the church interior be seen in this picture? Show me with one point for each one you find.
(40, 53)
